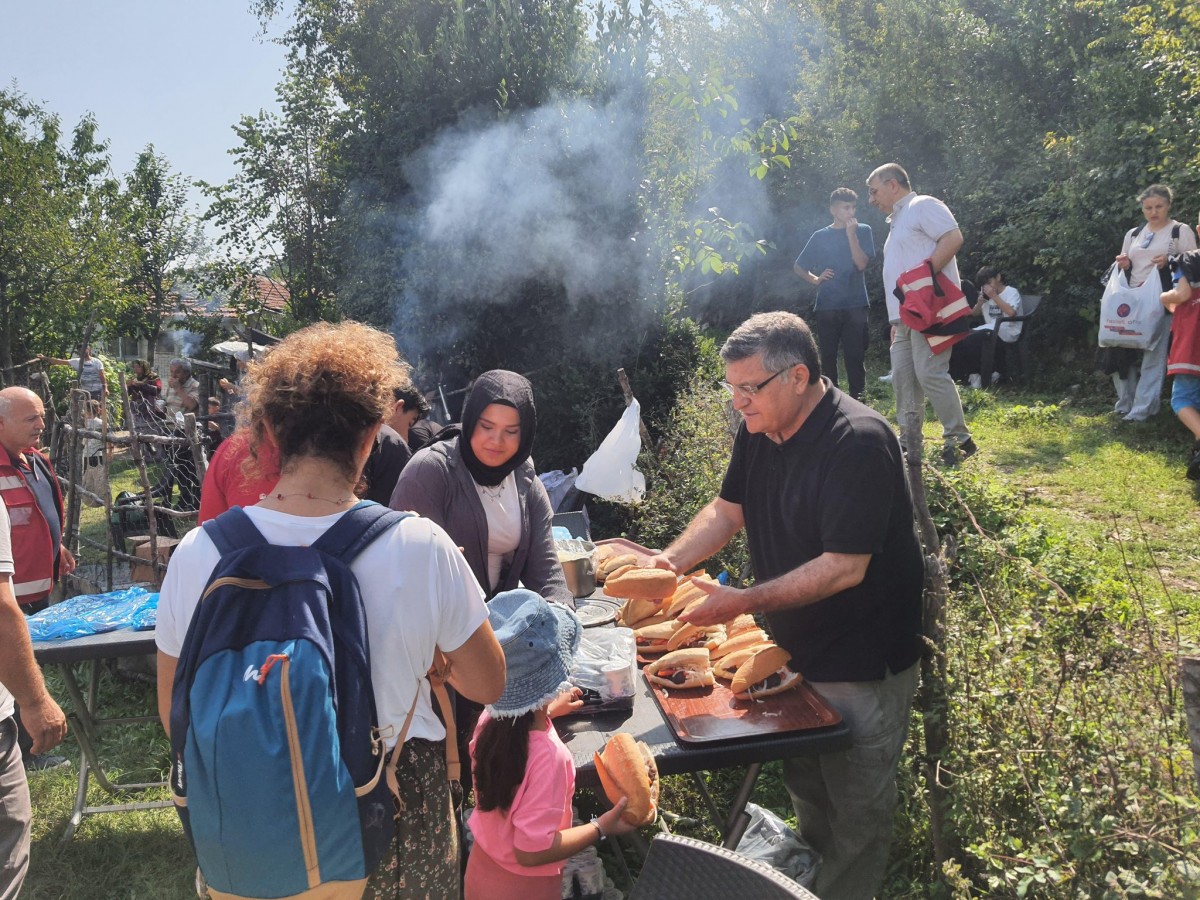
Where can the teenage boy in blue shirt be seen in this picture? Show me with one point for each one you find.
(834, 259)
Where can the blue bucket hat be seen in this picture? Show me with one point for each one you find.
(539, 642)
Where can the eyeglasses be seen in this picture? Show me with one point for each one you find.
(749, 390)
(1147, 240)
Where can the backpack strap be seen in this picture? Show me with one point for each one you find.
(438, 675)
(354, 532)
(232, 530)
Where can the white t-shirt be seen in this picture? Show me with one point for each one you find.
(173, 399)
(6, 572)
(91, 373)
(917, 223)
(417, 589)
(1010, 331)
(93, 446)
(1156, 243)
(502, 506)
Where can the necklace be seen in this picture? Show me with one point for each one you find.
(310, 497)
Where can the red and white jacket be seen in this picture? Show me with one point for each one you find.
(34, 559)
(933, 305)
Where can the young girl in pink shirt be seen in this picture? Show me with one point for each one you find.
(524, 775)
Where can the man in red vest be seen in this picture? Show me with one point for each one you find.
(31, 493)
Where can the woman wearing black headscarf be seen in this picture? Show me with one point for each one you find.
(480, 486)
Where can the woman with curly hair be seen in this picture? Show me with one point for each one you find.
(318, 398)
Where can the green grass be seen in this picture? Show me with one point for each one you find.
(138, 854)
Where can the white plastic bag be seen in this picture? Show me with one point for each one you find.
(610, 472)
(1129, 316)
(606, 662)
(769, 840)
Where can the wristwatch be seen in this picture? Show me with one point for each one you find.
(600, 831)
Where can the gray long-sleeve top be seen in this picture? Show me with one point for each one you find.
(437, 484)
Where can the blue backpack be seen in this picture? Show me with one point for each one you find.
(275, 750)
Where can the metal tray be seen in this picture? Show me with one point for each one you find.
(594, 611)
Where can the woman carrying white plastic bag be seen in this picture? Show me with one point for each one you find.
(1144, 252)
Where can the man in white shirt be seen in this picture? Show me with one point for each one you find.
(20, 678)
(922, 228)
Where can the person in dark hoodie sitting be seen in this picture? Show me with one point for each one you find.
(478, 482)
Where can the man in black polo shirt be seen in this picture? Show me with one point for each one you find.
(817, 480)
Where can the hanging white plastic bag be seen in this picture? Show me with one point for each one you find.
(1129, 317)
(610, 472)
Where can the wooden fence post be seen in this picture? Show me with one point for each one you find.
(1189, 676)
(931, 699)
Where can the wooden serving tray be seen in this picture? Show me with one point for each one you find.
(701, 715)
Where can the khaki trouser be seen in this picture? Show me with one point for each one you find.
(15, 813)
(844, 801)
(917, 373)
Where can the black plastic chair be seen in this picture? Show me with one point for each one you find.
(1016, 354)
(681, 868)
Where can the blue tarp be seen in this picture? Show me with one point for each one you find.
(86, 614)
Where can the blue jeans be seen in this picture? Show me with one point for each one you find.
(15, 813)
(844, 801)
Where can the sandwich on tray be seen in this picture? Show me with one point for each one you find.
(681, 669)
(763, 674)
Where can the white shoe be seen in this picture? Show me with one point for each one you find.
(887, 377)
(975, 381)
(995, 377)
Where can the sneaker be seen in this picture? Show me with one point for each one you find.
(950, 453)
(975, 381)
(995, 378)
(1193, 466)
(45, 762)
(887, 377)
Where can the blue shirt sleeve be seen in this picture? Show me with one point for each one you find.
(806, 258)
(866, 240)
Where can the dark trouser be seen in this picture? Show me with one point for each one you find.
(15, 814)
(966, 357)
(181, 470)
(847, 327)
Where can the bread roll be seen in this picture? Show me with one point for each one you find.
(641, 584)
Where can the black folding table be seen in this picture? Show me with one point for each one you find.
(85, 722)
(584, 735)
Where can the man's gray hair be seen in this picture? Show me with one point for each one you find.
(183, 364)
(9, 394)
(783, 340)
(891, 172)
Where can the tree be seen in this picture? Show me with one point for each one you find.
(278, 214)
(62, 257)
(166, 234)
